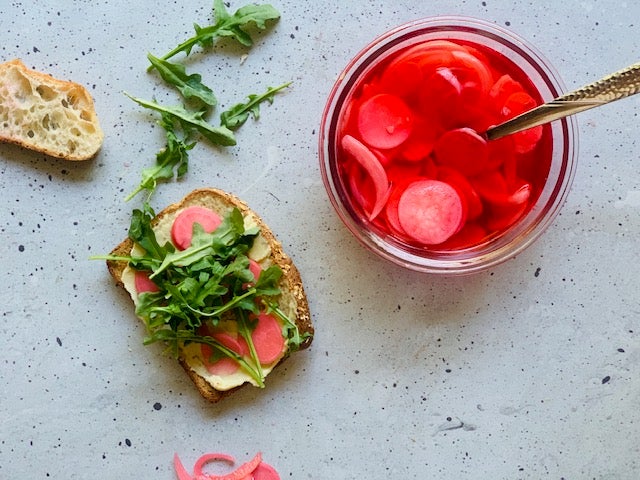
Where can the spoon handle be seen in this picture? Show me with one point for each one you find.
(620, 84)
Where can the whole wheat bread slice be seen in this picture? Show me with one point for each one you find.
(48, 115)
(291, 282)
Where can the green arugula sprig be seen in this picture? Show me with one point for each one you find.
(203, 285)
(192, 120)
(226, 25)
(236, 116)
(173, 160)
(189, 86)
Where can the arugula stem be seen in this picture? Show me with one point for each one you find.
(226, 307)
(245, 331)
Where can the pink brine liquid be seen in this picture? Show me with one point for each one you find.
(412, 155)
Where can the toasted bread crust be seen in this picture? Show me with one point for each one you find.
(291, 280)
(46, 114)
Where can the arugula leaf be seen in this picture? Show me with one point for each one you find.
(172, 160)
(141, 232)
(237, 115)
(192, 120)
(225, 25)
(190, 86)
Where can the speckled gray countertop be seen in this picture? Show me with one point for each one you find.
(529, 370)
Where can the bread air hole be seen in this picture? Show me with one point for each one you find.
(47, 93)
(70, 101)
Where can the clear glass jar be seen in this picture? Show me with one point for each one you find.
(495, 249)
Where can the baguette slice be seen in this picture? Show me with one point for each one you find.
(42, 113)
(290, 284)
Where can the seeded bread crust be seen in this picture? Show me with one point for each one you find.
(48, 115)
(291, 281)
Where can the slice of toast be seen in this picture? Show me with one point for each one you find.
(293, 292)
(48, 115)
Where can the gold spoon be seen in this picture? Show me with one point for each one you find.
(621, 84)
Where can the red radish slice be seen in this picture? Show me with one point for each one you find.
(441, 89)
(255, 268)
(181, 472)
(473, 202)
(402, 79)
(504, 87)
(264, 471)
(521, 195)
(267, 339)
(526, 140)
(491, 186)
(225, 365)
(384, 121)
(182, 228)
(430, 211)
(504, 216)
(440, 95)
(144, 284)
(391, 208)
(208, 458)
(471, 234)
(419, 145)
(464, 150)
(515, 104)
(500, 152)
(374, 169)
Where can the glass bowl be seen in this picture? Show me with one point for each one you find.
(560, 153)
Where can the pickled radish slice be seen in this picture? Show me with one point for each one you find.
(471, 234)
(264, 471)
(384, 121)
(144, 284)
(255, 268)
(402, 79)
(516, 104)
(374, 169)
(182, 228)
(504, 87)
(224, 365)
(391, 210)
(464, 150)
(430, 211)
(267, 339)
(473, 201)
(440, 95)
